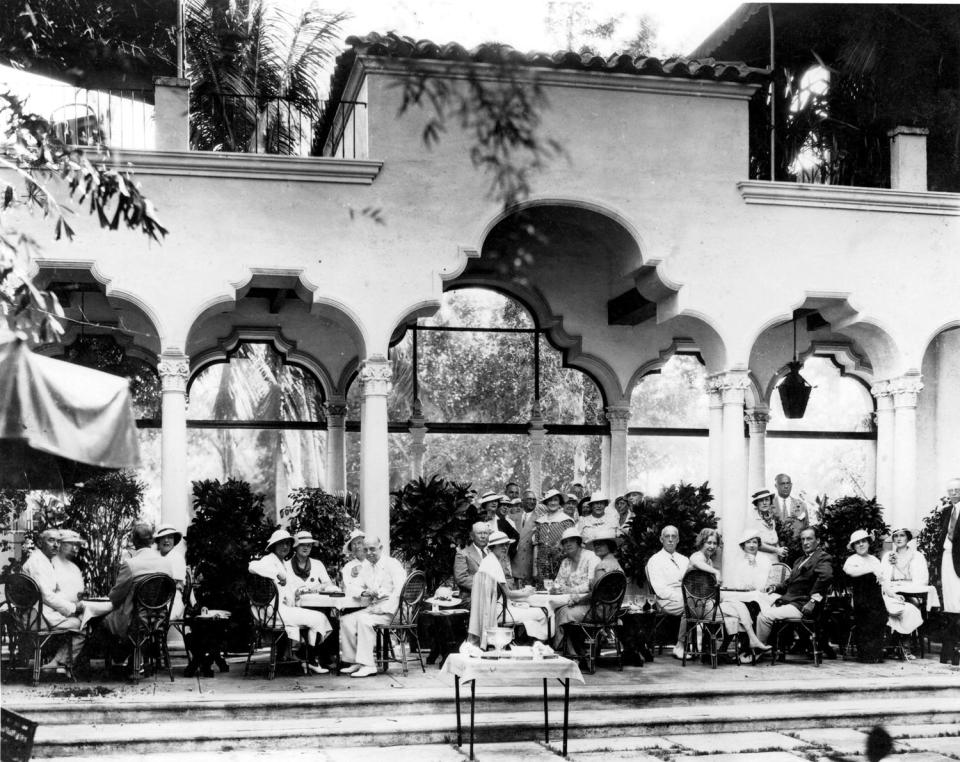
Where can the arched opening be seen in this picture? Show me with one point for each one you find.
(938, 418)
(479, 369)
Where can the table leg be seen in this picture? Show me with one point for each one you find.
(546, 715)
(566, 712)
(456, 688)
(473, 691)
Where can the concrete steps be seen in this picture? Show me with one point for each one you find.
(242, 724)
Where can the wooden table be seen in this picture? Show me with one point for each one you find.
(508, 671)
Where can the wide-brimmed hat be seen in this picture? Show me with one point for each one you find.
(759, 495)
(490, 497)
(749, 534)
(353, 536)
(552, 493)
(168, 530)
(68, 535)
(598, 497)
(498, 538)
(908, 532)
(860, 534)
(571, 534)
(571, 498)
(603, 533)
(279, 536)
(304, 538)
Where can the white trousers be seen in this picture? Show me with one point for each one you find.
(316, 622)
(357, 637)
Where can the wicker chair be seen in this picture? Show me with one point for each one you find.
(149, 622)
(666, 626)
(27, 629)
(268, 624)
(601, 619)
(778, 574)
(404, 625)
(701, 609)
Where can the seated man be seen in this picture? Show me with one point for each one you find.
(70, 578)
(665, 571)
(382, 584)
(806, 586)
(59, 612)
(467, 560)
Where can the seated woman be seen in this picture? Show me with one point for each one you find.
(488, 583)
(305, 574)
(576, 577)
(603, 542)
(870, 612)
(356, 558)
(167, 538)
(736, 616)
(903, 567)
(272, 567)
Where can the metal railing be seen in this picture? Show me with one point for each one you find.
(115, 118)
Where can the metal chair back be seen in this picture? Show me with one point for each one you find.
(701, 596)
(264, 599)
(607, 599)
(411, 597)
(778, 574)
(26, 603)
(152, 601)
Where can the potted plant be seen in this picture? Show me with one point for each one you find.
(429, 519)
(685, 506)
(329, 518)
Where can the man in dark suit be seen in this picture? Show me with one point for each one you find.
(467, 560)
(806, 586)
(950, 573)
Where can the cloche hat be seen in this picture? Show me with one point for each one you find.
(353, 536)
(498, 538)
(759, 495)
(571, 534)
(168, 530)
(304, 538)
(860, 534)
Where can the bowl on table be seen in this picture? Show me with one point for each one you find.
(499, 637)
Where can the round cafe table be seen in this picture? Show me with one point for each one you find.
(334, 605)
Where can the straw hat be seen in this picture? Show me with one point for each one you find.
(598, 497)
(756, 497)
(168, 530)
(490, 497)
(603, 533)
(353, 536)
(571, 534)
(498, 538)
(633, 488)
(908, 532)
(749, 534)
(552, 494)
(279, 536)
(304, 538)
(860, 534)
(68, 535)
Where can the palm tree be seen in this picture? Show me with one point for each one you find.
(254, 71)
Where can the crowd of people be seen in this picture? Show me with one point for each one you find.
(562, 544)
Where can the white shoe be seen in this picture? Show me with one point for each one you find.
(350, 670)
(317, 669)
(365, 672)
(677, 652)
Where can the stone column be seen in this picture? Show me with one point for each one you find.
(715, 444)
(375, 383)
(336, 444)
(174, 371)
(605, 464)
(885, 422)
(757, 419)
(905, 391)
(619, 418)
(732, 386)
(418, 435)
(538, 437)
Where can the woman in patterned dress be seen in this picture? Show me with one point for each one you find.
(546, 538)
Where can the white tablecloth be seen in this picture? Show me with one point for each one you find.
(324, 601)
(509, 671)
(933, 599)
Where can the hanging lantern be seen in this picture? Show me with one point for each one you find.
(794, 392)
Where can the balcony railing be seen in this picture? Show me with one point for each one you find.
(116, 118)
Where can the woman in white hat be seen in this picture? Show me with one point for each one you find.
(546, 538)
(601, 515)
(294, 618)
(576, 577)
(489, 581)
(904, 566)
(166, 538)
(765, 526)
(902, 617)
(747, 573)
(307, 575)
(351, 571)
(603, 542)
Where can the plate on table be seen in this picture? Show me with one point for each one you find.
(214, 614)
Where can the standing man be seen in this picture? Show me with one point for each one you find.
(59, 612)
(791, 511)
(522, 562)
(807, 585)
(665, 571)
(383, 582)
(467, 560)
(512, 490)
(950, 574)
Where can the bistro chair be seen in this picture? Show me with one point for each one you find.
(149, 622)
(403, 626)
(25, 624)
(666, 626)
(810, 626)
(267, 623)
(601, 620)
(701, 611)
(778, 574)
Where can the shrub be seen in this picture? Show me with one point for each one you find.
(930, 539)
(327, 517)
(227, 531)
(428, 521)
(840, 519)
(685, 506)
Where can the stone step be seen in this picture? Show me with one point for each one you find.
(346, 700)
(274, 730)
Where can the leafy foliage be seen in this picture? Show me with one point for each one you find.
(103, 510)
(930, 539)
(227, 531)
(13, 502)
(326, 517)
(429, 520)
(841, 518)
(684, 506)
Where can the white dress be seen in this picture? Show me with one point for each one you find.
(293, 617)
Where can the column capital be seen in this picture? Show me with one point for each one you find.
(905, 390)
(731, 385)
(618, 416)
(376, 376)
(336, 411)
(757, 418)
(536, 418)
(174, 372)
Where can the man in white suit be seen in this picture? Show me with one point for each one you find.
(467, 560)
